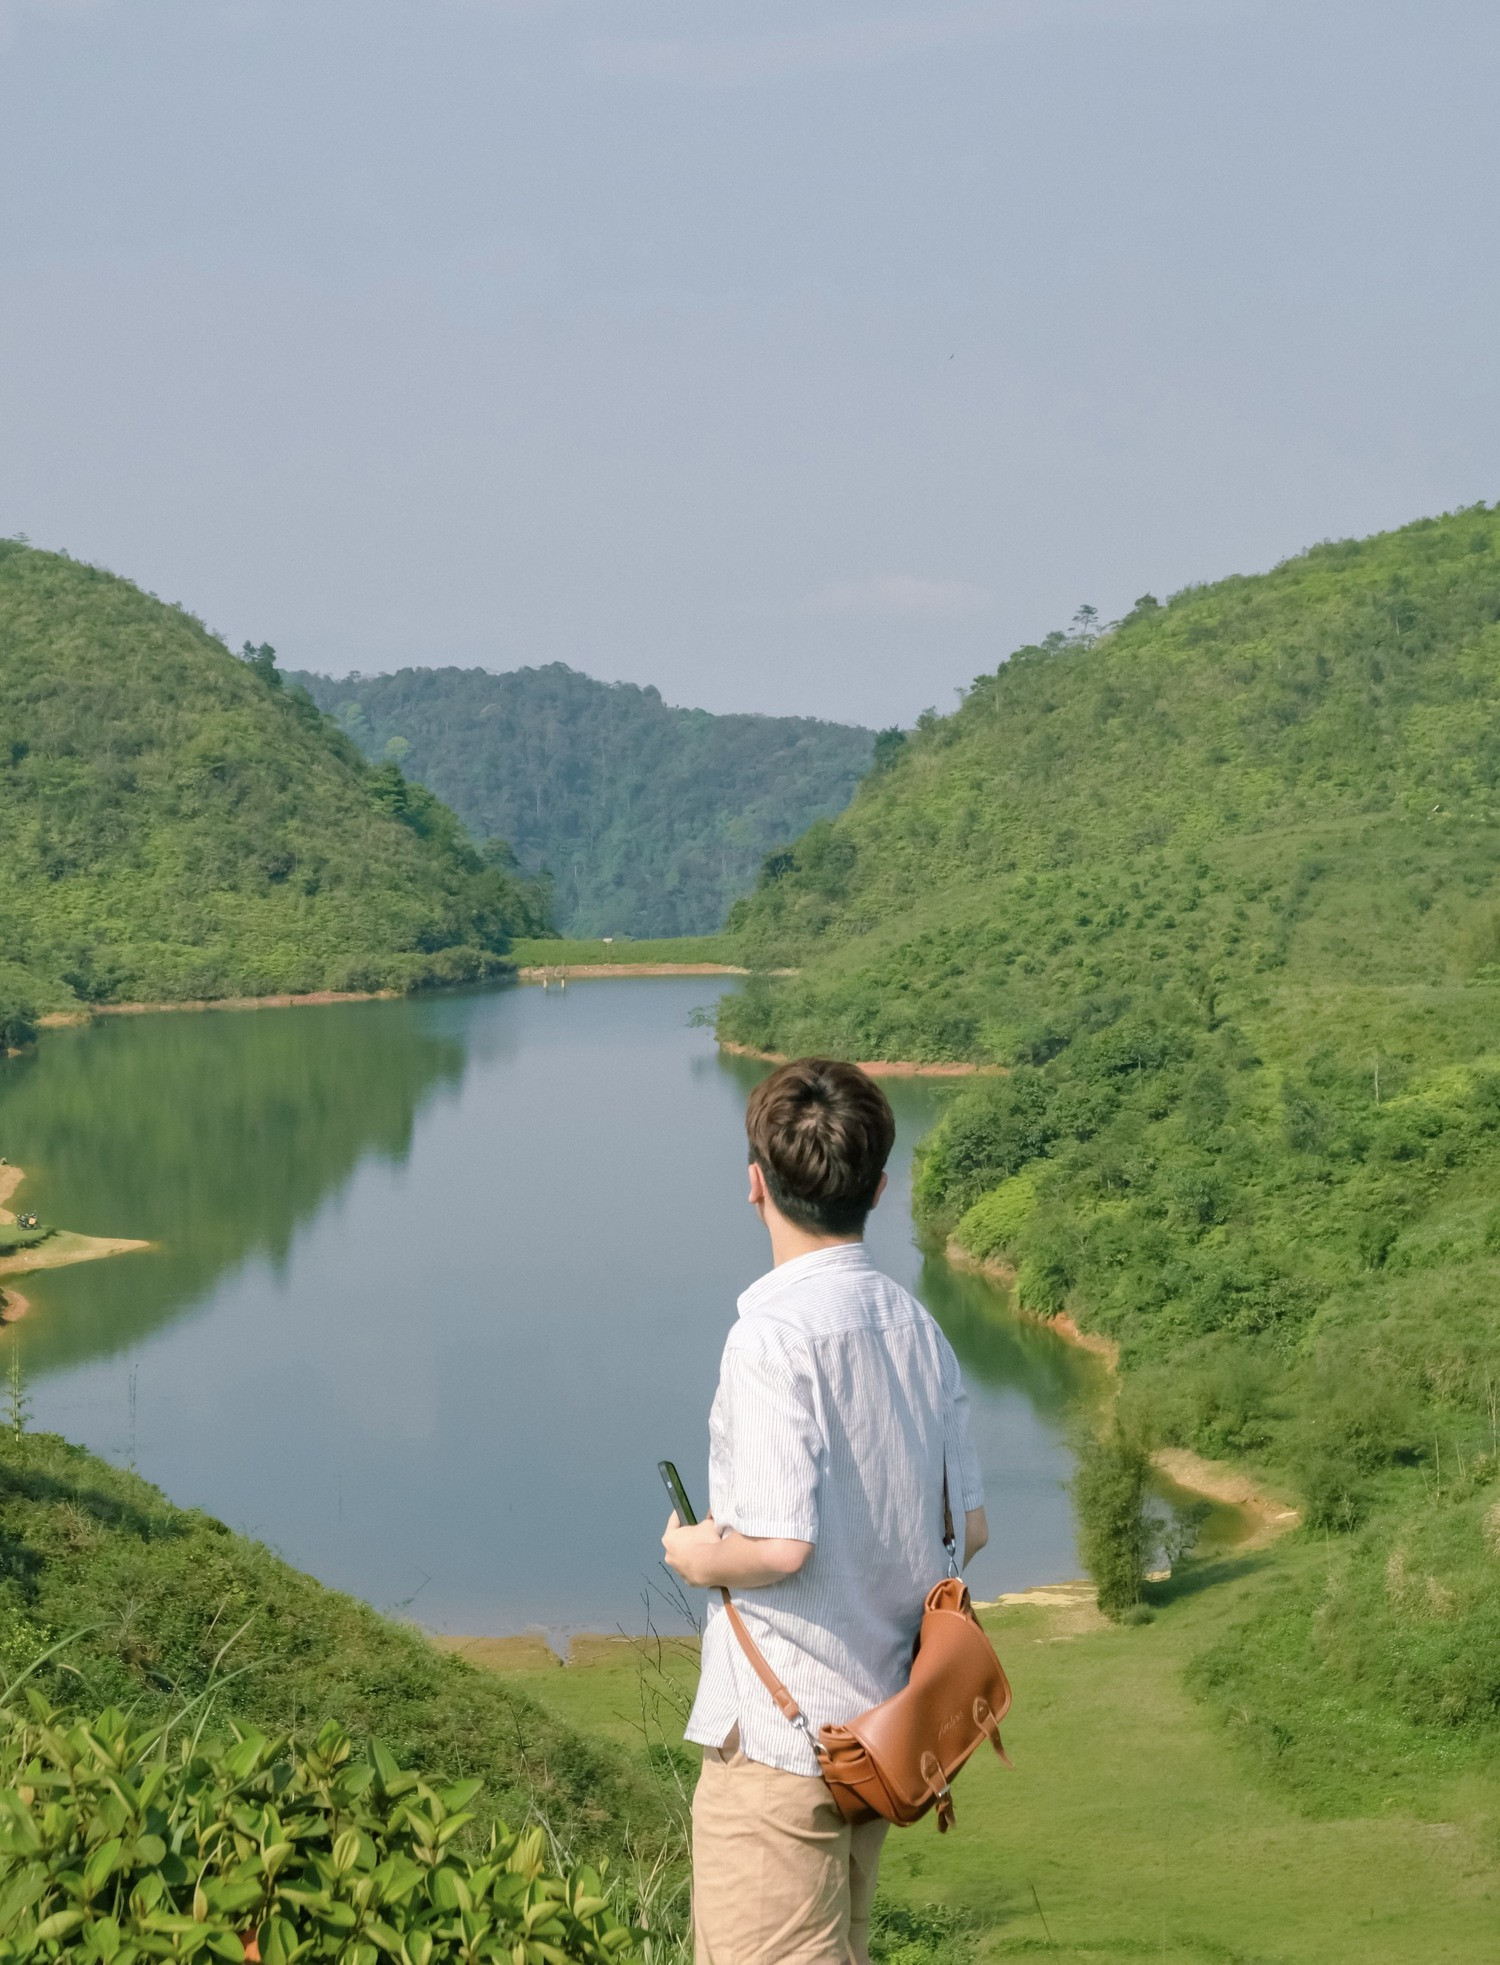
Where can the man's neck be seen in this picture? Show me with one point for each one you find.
(788, 1241)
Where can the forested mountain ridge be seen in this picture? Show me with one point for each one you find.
(179, 825)
(1272, 729)
(651, 820)
(1221, 887)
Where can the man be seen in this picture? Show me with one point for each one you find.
(839, 1414)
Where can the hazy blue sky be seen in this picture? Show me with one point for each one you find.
(791, 357)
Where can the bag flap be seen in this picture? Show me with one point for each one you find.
(954, 1668)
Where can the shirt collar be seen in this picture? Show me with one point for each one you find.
(849, 1257)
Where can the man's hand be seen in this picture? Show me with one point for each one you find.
(688, 1550)
(709, 1558)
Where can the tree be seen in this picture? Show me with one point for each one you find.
(1115, 1536)
(263, 660)
(889, 745)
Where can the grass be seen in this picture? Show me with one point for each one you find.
(161, 1607)
(1134, 1824)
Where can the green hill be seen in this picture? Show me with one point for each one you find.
(112, 1596)
(650, 820)
(1222, 887)
(177, 824)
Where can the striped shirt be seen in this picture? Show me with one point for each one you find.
(839, 1407)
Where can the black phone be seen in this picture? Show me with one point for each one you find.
(672, 1481)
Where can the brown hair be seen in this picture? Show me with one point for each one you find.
(821, 1132)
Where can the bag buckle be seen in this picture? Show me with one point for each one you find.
(799, 1720)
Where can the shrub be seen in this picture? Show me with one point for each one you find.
(17, 1025)
(1333, 1497)
(925, 1934)
(994, 1223)
(1115, 1535)
(986, 1135)
(119, 1842)
(1220, 1406)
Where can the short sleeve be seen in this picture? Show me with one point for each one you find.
(773, 1442)
(965, 1482)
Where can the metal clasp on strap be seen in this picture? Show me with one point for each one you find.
(799, 1720)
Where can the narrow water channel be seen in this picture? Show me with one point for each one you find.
(437, 1282)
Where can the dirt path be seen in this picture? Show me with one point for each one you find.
(1218, 1480)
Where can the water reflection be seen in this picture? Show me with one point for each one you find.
(440, 1280)
(215, 1136)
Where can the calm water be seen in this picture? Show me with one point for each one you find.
(439, 1281)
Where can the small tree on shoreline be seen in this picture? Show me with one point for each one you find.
(1115, 1534)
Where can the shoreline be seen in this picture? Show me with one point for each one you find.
(878, 1067)
(319, 998)
(67, 1019)
(1219, 1481)
(60, 1250)
(1060, 1322)
(581, 971)
(530, 1651)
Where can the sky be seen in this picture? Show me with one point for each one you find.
(802, 358)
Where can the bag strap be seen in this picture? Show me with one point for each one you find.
(950, 1538)
(768, 1678)
(784, 1700)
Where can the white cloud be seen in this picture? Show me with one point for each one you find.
(901, 594)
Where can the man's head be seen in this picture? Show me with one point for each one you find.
(821, 1133)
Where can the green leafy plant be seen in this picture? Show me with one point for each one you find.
(126, 1842)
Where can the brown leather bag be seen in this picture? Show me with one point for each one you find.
(898, 1759)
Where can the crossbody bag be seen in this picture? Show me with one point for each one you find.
(899, 1759)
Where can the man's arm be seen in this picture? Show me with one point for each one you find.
(708, 1557)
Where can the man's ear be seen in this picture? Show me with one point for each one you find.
(758, 1194)
(880, 1187)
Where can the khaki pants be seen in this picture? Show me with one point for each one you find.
(779, 1877)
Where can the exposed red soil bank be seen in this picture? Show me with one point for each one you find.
(881, 1067)
(576, 971)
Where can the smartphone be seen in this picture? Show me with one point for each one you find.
(672, 1481)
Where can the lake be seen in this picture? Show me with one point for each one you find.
(436, 1282)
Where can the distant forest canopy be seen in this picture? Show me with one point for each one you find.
(179, 824)
(1221, 886)
(650, 820)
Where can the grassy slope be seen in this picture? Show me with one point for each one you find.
(154, 1593)
(650, 819)
(1222, 888)
(1143, 1832)
(177, 827)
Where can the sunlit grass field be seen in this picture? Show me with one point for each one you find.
(1133, 1825)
